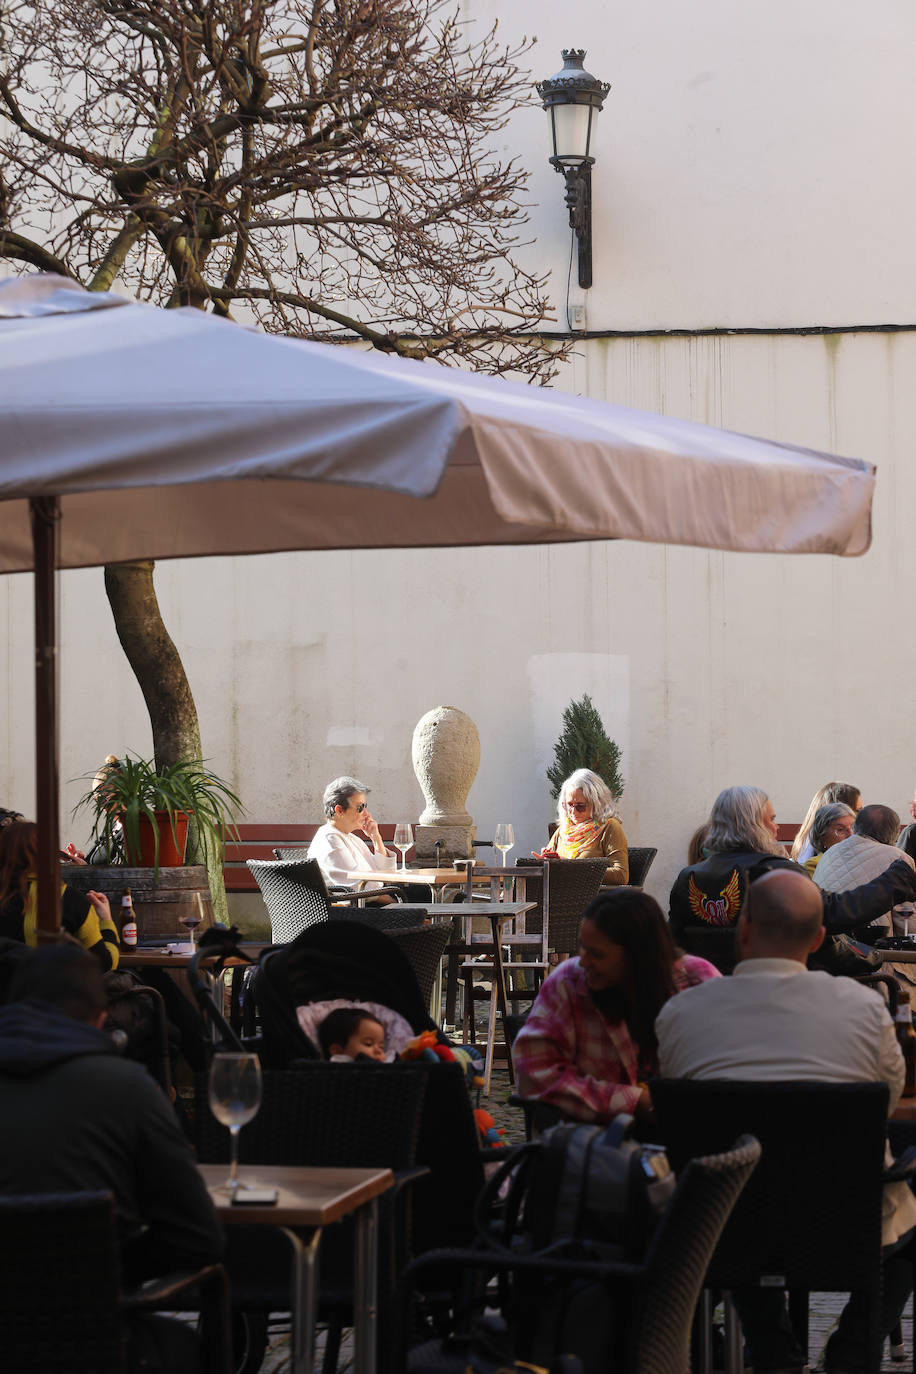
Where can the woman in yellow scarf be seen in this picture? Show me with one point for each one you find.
(589, 826)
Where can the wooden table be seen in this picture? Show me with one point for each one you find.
(159, 957)
(436, 878)
(312, 1198)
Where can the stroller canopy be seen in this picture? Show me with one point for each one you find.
(333, 959)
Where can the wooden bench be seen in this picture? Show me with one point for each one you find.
(259, 840)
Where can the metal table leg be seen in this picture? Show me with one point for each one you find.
(303, 1298)
(365, 1287)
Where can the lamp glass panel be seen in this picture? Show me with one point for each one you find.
(571, 129)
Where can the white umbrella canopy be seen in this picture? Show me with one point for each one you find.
(127, 431)
(168, 434)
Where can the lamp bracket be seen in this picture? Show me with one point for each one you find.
(579, 203)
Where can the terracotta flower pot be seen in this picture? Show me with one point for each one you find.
(171, 855)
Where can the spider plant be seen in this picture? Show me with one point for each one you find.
(138, 794)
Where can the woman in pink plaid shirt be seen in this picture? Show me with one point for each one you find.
(589, 1042)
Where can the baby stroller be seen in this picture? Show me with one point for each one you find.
(396, 1115)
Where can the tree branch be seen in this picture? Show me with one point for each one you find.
(17, 247)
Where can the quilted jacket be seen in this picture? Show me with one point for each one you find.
(855, 861)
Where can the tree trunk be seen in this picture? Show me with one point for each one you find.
(160, 672)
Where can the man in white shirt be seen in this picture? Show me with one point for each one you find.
(779, 1021)
(339, 851)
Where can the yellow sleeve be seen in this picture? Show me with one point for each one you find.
(97, 934)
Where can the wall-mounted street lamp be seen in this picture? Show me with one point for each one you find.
(572, 100)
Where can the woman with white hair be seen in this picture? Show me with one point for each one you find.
(741, 845)
(588, 826)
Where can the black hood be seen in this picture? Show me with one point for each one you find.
(35, 1037)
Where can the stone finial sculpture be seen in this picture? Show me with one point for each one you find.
(446, 756)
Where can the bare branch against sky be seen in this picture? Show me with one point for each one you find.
(329, 167)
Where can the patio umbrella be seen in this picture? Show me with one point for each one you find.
(127, 431)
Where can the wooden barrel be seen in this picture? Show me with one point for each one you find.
(158, 902)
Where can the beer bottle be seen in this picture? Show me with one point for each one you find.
(906, 1039)
(129, 924)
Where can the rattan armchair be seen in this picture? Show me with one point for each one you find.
(639, 861)
(359, 1115)
(337, 892)
(654, 1299)
(812, 1212)
(62, 1307)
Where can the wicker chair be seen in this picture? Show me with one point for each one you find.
(337, 893)
(294, 893)
(334, 1115)
(639, 861)
(654, 1299)
(573, 884)
(357, 1115)
(386, 918)
(61, 1303)
(424, 947)
(789, 1222)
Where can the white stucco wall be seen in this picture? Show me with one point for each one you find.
(751, 159)
(751, 174)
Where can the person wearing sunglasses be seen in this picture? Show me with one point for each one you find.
(589, 826)
(337, 847)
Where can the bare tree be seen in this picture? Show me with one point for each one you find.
(327, 167)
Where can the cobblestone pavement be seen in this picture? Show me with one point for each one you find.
(825, 1307)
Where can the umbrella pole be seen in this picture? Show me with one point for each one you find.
(45, 515)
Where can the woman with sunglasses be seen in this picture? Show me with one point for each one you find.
(336, 846)
(589, 826)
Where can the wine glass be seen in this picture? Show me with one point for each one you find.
(235, 1096)
(191, 917)
(504, 839)
(403, 839)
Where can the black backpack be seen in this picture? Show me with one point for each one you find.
(577, 1192)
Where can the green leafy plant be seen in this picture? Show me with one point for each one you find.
(139, 790)
(585, 743)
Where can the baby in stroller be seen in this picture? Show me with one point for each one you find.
(329, 966)
(351, 1033)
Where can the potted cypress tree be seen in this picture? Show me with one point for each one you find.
(584, 743)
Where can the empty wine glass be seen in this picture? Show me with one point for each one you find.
(504, 839)
(403, 839)
(191, 917)
(235, 1096)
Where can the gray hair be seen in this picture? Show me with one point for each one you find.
(824, 818)
(595, 791)
(339, 792)
(830, 792)
(735, 823)
(879, 823)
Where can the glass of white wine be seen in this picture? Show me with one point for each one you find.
(235, 1096)
(192, 915)
(504, 839)
(403, 839)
